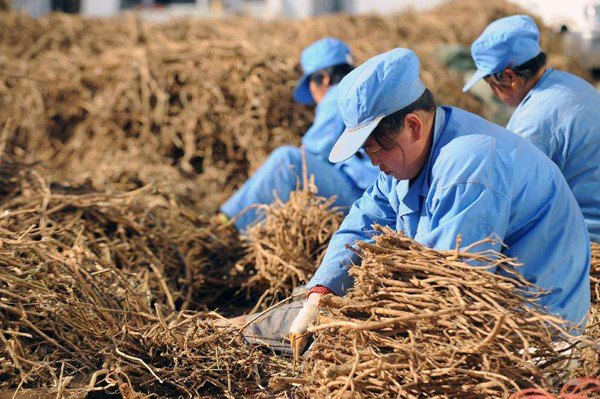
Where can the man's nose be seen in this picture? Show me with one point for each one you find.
(374, 159)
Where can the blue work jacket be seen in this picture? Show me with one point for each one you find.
(328, 126)
(479, 180)
(561, 116)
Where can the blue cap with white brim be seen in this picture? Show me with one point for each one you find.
(507, 42)
(321, 54)
(381, 86)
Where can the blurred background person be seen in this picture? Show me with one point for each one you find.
(557, 111)
(324, 64)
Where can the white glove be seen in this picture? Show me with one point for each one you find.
(307, 315)
(299, 328)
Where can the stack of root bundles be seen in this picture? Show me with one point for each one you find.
(183, 259)
(123, 102)
(68, 325)
(285, 250)
(93, 292)
(424, 323)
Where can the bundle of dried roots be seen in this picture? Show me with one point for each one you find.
(286, 249)
(93, 292)
(424, 323)
(182, 259)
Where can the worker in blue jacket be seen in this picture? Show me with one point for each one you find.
(557, 111)
(324, 63)
(446, 172)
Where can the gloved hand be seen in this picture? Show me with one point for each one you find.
(299, 328)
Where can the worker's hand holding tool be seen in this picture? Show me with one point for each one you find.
(299, 330)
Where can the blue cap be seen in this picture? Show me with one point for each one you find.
(321, 54)
(507, 42)
(381, 86)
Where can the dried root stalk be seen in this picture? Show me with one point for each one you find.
(423, 323)
(286, 249)
(593, 327)
(595, 273)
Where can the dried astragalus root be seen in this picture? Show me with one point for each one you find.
(595, 273)
(286, 249)
(424, 323)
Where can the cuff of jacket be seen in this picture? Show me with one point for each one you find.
(319, 289)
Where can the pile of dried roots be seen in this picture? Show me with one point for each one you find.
(68, 322)
(183, 259)
(94, 290)
(286, 249)
(197, 105)
(421, 323)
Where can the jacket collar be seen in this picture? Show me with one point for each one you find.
(538, 84)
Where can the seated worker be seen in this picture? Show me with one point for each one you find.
(445, 172)
(557, 111)
(324, 63)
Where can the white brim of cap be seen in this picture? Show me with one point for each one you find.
(352, 140)
(477, 76)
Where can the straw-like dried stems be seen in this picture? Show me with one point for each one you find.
(93, 289)
(424, 323)
(122, 103)
(593, 328)
(100, 332)
(286, 249)
(172, 252)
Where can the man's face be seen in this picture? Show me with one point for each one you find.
(508, 88)
(320, 88)
(318, 91)
(405, 159)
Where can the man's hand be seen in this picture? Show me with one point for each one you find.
(299, 328)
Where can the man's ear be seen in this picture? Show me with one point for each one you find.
(414, 125)
(510, 78)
